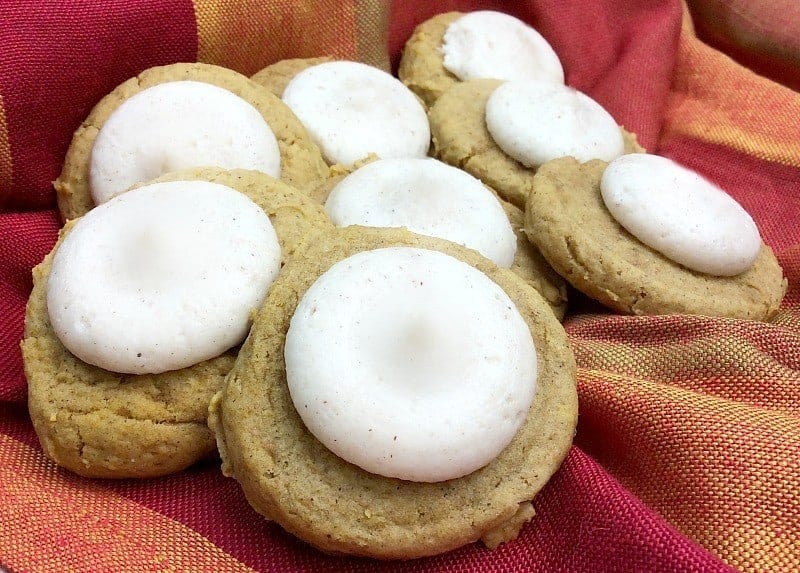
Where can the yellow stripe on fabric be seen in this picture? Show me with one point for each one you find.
(5, 155)
(53, 521)
(724, 473)
(716, 100)
(247, 35)
(372, 20)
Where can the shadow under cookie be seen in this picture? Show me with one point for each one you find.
(291, 478)
(301, 160)
(99, 423)
(569, 222)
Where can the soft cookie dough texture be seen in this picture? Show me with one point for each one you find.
(106, 424)
(422, 63)
(569, 222)
(291, 478)
(301, 161)
(461, 138)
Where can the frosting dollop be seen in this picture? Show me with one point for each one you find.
(178, 125)
(162, 276)
(351, 109)
(488, 44)
(680, 214)
(410, 364)
(427, 197)
(534, 122)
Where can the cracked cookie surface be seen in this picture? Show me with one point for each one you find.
(106, 424)
(461, 138)
(567, 219)
(301, 160)
(291, 478)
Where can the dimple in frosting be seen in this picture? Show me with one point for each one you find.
(162, 277)
(410, 364)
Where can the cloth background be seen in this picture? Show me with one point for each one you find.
(687, 455)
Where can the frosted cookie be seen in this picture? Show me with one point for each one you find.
(432, 198)
(569, 220)
(287, 473)
(352, 110)
(181, 116)
(101, 423)
(454, 47)
(461, 138)
(277, 76)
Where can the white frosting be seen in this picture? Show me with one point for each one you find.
(351, 110)
(427, 197)
(487, 44)
(177, 125)
(680, 214)
(162, 277)
(410, 364)
(535, 122)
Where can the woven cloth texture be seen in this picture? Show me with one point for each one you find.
(687, 455)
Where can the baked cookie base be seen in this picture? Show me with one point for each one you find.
(291, 478)
(105, 424)
(461, 138)
(568, 221)
(301, 160)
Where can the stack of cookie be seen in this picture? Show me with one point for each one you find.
(403, 389)
(275, 268)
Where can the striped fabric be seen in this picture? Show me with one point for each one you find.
(687, 456)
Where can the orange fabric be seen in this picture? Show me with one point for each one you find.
(80, 525)
(687, 454)
(714, 99)
(675, 414)
(242, 35)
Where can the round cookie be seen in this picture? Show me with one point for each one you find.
(277, 76)
(301, 160)
(290, 477)
(569, 222)
(529, 264)
(460, 138)
(99, 423)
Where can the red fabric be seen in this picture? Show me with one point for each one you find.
(633, 494)
(58, 61)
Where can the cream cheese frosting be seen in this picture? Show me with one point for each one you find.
(680, 214)
(410, 364)
(427, 197)
(177, 125)
(162, 277)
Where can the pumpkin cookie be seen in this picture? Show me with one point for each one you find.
(527, 262)
(454, 47)
(567, 219)
(461, 138)
(100, 423)
(289, 476)
(298, 159)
